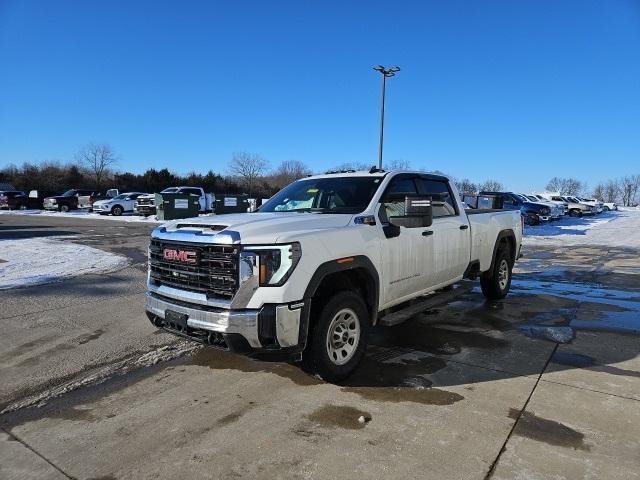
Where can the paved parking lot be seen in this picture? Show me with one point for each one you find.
(471, 390)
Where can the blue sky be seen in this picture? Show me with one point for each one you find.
(517, 91)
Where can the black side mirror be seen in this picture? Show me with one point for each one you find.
(418, 212)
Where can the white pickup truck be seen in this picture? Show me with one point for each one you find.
(145, 204)
(323, 261)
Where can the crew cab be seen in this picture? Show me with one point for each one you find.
(117, 205)
(323, 261)
(70, 200)
(532, 212)
(145, 204)
(557, 210)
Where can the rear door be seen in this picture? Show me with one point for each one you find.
(406, 257)
(451, 234)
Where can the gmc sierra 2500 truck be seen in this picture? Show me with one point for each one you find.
(321, 262)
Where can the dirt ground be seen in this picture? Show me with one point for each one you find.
(544, 384)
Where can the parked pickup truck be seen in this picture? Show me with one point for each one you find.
(323, 261)
(145, 204)
(532, 212)
(75, 198)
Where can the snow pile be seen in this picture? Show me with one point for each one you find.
(611, 229)
(82, 214)
(34, 261)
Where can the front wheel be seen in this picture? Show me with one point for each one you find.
(496, 282)
(575, 213)
(64, 208)
(117, 211)
(338, 338)
(605, 209)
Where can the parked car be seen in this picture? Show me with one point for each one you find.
(118, 205)
(562, 204)
(532, 212)
(610, 206)
(322, 262)
(557, 210)
(13, 199)
(69, 200)
(576, 208)
(146, 204)
(597, 204)
(36, 198)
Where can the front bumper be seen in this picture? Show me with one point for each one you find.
(273, 327)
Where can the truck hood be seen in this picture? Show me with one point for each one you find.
(259, 228)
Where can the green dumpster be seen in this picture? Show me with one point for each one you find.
(227, 203)
(170, 206)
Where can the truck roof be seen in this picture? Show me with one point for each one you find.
(371, 173)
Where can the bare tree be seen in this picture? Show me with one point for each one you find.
(466, 186)
(98, 158)
(352, 166)
(612, 191)
(565, 186)
(629, 186)
(248, 167)
(398, 164)
(491, 186)
(288, 171)
(599, 191)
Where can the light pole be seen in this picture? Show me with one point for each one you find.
(386, 72)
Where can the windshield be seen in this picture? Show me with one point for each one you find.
(532, 198)
(69, 193)
(170, 190)
(325, 195)
(122, 196)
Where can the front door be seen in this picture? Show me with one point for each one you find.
(406, 257)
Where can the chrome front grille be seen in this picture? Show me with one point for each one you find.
(213, 272)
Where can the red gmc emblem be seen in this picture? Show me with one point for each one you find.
(184, 256)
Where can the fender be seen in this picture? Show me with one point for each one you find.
(508, 233)
(328, 268)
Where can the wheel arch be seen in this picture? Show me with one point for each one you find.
(505, 237)
(351, 273)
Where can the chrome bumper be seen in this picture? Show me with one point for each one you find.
(242, 322)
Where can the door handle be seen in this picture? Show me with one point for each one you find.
(464, 227)
(426, 233)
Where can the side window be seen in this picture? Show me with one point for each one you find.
(393, 201)
(444, 205)
(508, 201)
(191, 191)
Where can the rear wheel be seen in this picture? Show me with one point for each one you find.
(338, 338)
(496, 282)
(117, 211)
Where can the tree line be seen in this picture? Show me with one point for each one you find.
(94, 167)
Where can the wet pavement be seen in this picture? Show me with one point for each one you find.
(543, 384)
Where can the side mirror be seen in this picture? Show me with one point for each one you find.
(418, 212)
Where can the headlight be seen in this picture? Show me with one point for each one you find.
(274, 263)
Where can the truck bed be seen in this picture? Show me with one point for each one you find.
(484, 225)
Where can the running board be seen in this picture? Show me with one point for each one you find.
(433, 300)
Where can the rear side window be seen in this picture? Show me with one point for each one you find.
(443, 202)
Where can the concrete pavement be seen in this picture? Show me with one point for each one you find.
(458, 392)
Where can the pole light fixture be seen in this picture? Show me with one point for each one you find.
(386, 72)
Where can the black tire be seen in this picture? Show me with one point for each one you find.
(317, 357)
(531, 219)
(575, 213)
(493, 283)
(63, 208)
(605, 209)
(117, 210)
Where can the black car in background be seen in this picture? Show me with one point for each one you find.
(13, 199)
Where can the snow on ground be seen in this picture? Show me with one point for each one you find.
(612, 229)
(34, 261)
(82, 214)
